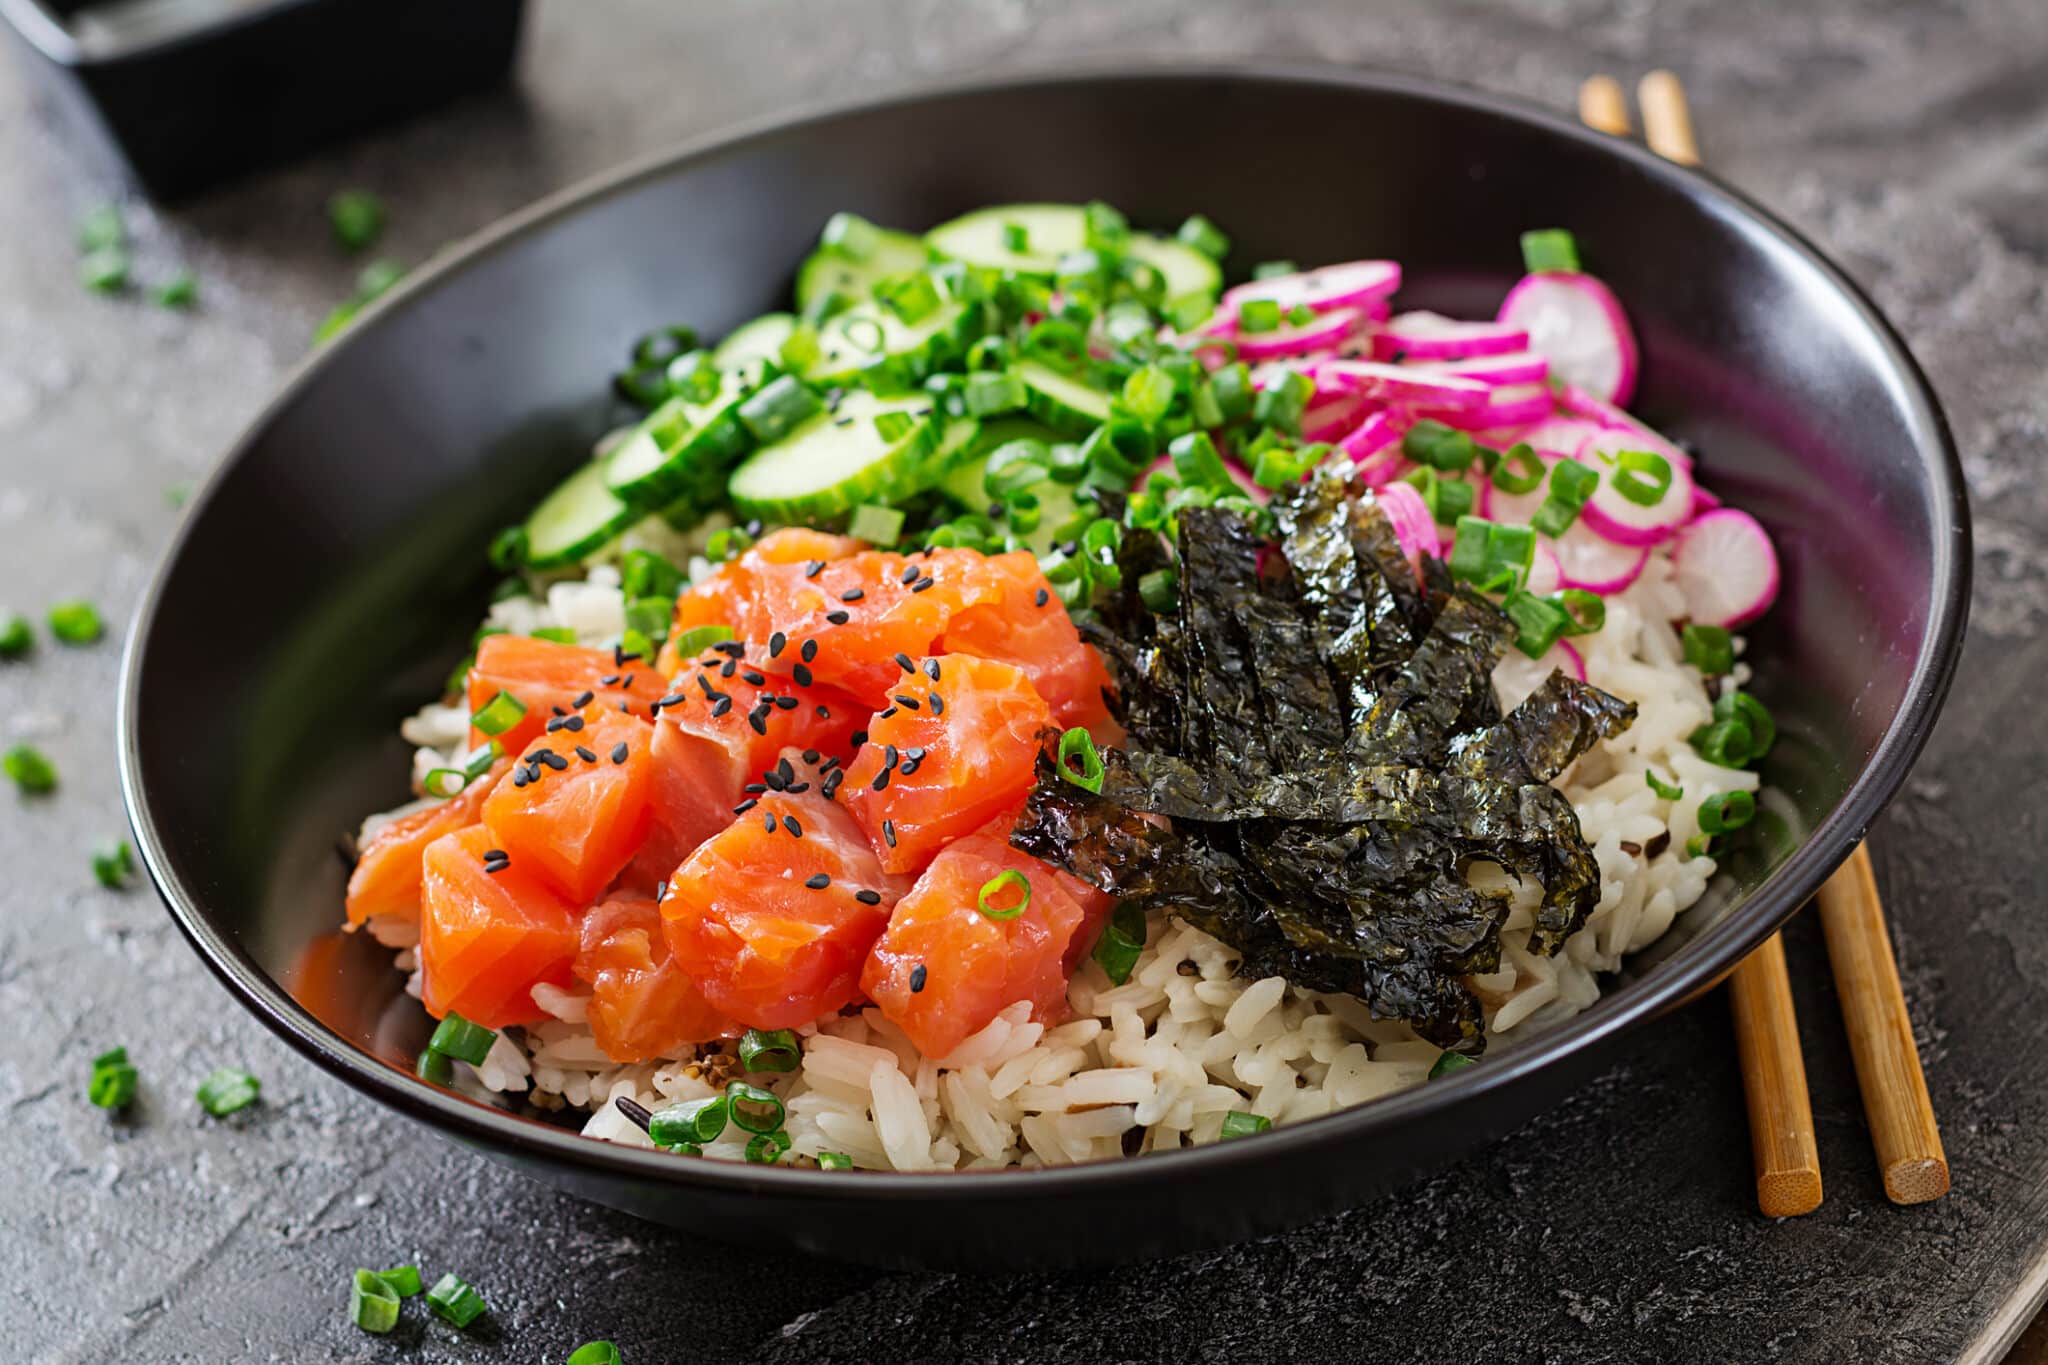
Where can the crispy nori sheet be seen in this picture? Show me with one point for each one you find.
(1318, 723)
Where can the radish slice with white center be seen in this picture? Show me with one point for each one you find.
(1369, 438)
(1349, 285)
(1389, 466)
(1334, 418)
(1564, 434)
(1619, 518)
(1606, 416)
(1320, 333)
(1512, 405)
(1590, 561)
(1414, 527)
(1515, 367)
(1517, 675)
(1577, 322)
(1400, 383)
(1726, 567)
(1545, 577)
(1703, 502)
(1432, 336)
(1515, 509)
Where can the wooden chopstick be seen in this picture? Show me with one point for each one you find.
(1902, 1126)
(1781, 1135)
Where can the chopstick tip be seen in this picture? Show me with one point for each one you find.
(1916, 1181)
(1788, 1194)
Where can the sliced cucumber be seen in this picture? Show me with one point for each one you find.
(760, 339)
(1058, 505)
(576, 519)
(830, 268)
(1066, 405)
(837, 460)
(961, 480)
(682, 449)
(1050, 232)
(1187, 270)
(869, 339)
(951, 449)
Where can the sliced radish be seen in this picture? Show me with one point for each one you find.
(1517, 675)
(1545, 577)
(1577, 322)
(1513, 367)
(1702, 502)
(1400, 383)
(1332, 418)
(1369, 438)
(1413, 525)
(1588, 560)
(1389, 466)
(1349, 285)
(1432, 336)
(1726, 567)
(1616, 517)
(1510, 406)
(1320, 333)
(1562, 434)
(1515, 509)
(1605, 415)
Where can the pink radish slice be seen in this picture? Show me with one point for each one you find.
(1517, 675)
(1726, 567)
(1606, 416)
(1515, 509)
(1349, 285)
(1379, 310)
(1323, 332)
(1387, 467)
(1588, 560)
(1369, 438)
(1414, 527)
(1544, 575)
(1432, 336)
(1577, 322)
(1331, 420)
(1702, 502)
(1614, 516)
(1515, 367)
(1562, 434)
(1512, 405)
(1399, 383)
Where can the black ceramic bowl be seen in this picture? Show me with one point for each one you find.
(332, 570)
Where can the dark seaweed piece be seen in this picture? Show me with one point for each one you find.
(1444, 688)
(1554, 725)
(1138, 646)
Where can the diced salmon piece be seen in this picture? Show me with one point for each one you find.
(545, 675)
(943, 969)
(642, 1004)
(958, 754)
(488, 938)
(773, 917)
(1027, 626)
(386, 879)
(576, 807)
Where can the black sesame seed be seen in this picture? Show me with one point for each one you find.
(910, 766)
(784, 771)
(731, 667)
(823, 714)
(553, 760)
(915, 753)
(814, 568)
(743, 807)
(620, 656)
(724, 704)
(555, 724)
(868, 897)
(905, 662)
(775, 781)
(810, 755)
(755, 788)
(860, 737)
(704, 686)
(585, 754)
(829, 764)
(802, 675)
(758, 721)
(921, 584)
(493, 869)
(796, 787)
(831, 787)
(672, 699)
(931, 669)
(583, 699)
(776, 642)
(789, 823)
(558, 710)
(1042, 595)
(627, 681)
(837, 618)
(609, 680)
(842, 421)
(910, 573)
(817, 881)
(889, 755)
(852, 595)
(754, 679)
(787, 703)
(938, 704)
(908, 703)
(496, 855)
(732, 648)
(619, 752)
(917, 978)
(884, 715)
(768, 822)
(573, 724)
(881, 779)
(889, 832)
(809, 651)
(519, 779)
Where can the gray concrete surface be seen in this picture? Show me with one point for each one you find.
(1910, 138)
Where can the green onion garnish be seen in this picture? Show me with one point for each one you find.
(228, 1090)
(995, 886)
(777, 408)
(1077, 743)
(1468, 556)
(1538, 622)
(30, 771)
(1763, 728)
(113, 1080)
(1697, 846)
(1204, 236)
(1232, 389)
(104, 271)
(554, 635)
(462, 1040)
(799, 351)
(1266, 270)
(179, 291)
(1196, 462)
(1454, 499)
(1726, 743)
(1710, 649)
(875, 524)
(912, 298)
(1103, 226)
(1016, 237)
(1521, 470)
(991, 393)
(454, 1299)
(1149, 393)
(753, 1109)
(372, 1304)
(499, 714)
(1642, 477)
(508, 549)
(851, 236)
(596, 1353)
(697, 639)
(770, 1050)
(432, 1066)
(1587, 610)
(1727, 812)
(1238, 1124)
(357, 217)
(643, 573)
(1449, 1062)
(113, 864)
(1669, 791)
(16, 636)
(403, 1280)
(1258, 315)
(1122, 941)
(76, 622)
(834, 1161)
(697, 1121)
(102, 227)
(765, 1149)
(1549, 249)
(650, 616)
(1280, 404)
(1159, 590)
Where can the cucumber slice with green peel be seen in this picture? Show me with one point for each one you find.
(836, 461)
(1058, 506)
(1050, 231)
(682, 449)
(1187, 270)
(1063, 403)
(870, 340)
(962, 479)
(760, 339)
(576, 519)
(830, 268)
(951, 449)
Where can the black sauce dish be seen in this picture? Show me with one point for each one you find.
(333, 568)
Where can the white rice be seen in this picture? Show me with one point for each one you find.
(1157, 1062)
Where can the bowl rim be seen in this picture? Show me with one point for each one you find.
(1687, 975)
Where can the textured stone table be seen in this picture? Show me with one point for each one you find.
(1911, 139)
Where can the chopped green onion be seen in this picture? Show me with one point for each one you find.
(727, 543)
(1237, 1124)
(1278, 467)
(643, 573)
(1727, 812)
(377, 278)
(403, 1280)
(508, 549)
(30, 771)
(996, 885)
(1016, 465)
(1554, 517)
(499, 714)
(457, 1037)
(1301, 315)
(1196, 462)
(556, 635)
(1121, 943)
(636, 642)
(1204, 236)
(1058, 343)
(1510, 551)
(1103, 226)
(1119, 450)
(650, 616)
(1432, 443)
(1077, 743)
(875, 524)
(1159, 591)
(1642, 477)
(1763, 728)
(753, 1109)
(765, 1149)
(113, 1080)
(1266, 270)
(16, 637)
(1280, 404)
(1538, 622)
(104, 271)
(834, 1161)
(453, 1298)
(1697, 846)
(851, 236)
(1454, 499)
(1231, 388)
(1016, 237)
(228, 1090)
(372, 1304)
(76, 622)
(773, 412)
(1549, 249)
(696, 1121)
(179, 291)
(894, 426)
(1664, 789)
(357, 217)
(113, 864)
(1468, 555)
(694, 377)
(1449, 1062)
(1587, 610)
(912, 298)
(1573, 482)
(1149, 393)
(1189, 311)
(1725, 743)
(697, 639)
(770, 1050)
(1520, 457)
(102, 227)
(1710, 649)
(432, 1066)
(596, 1353)
(991, 393)
(1258, 315)
(798, 352)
